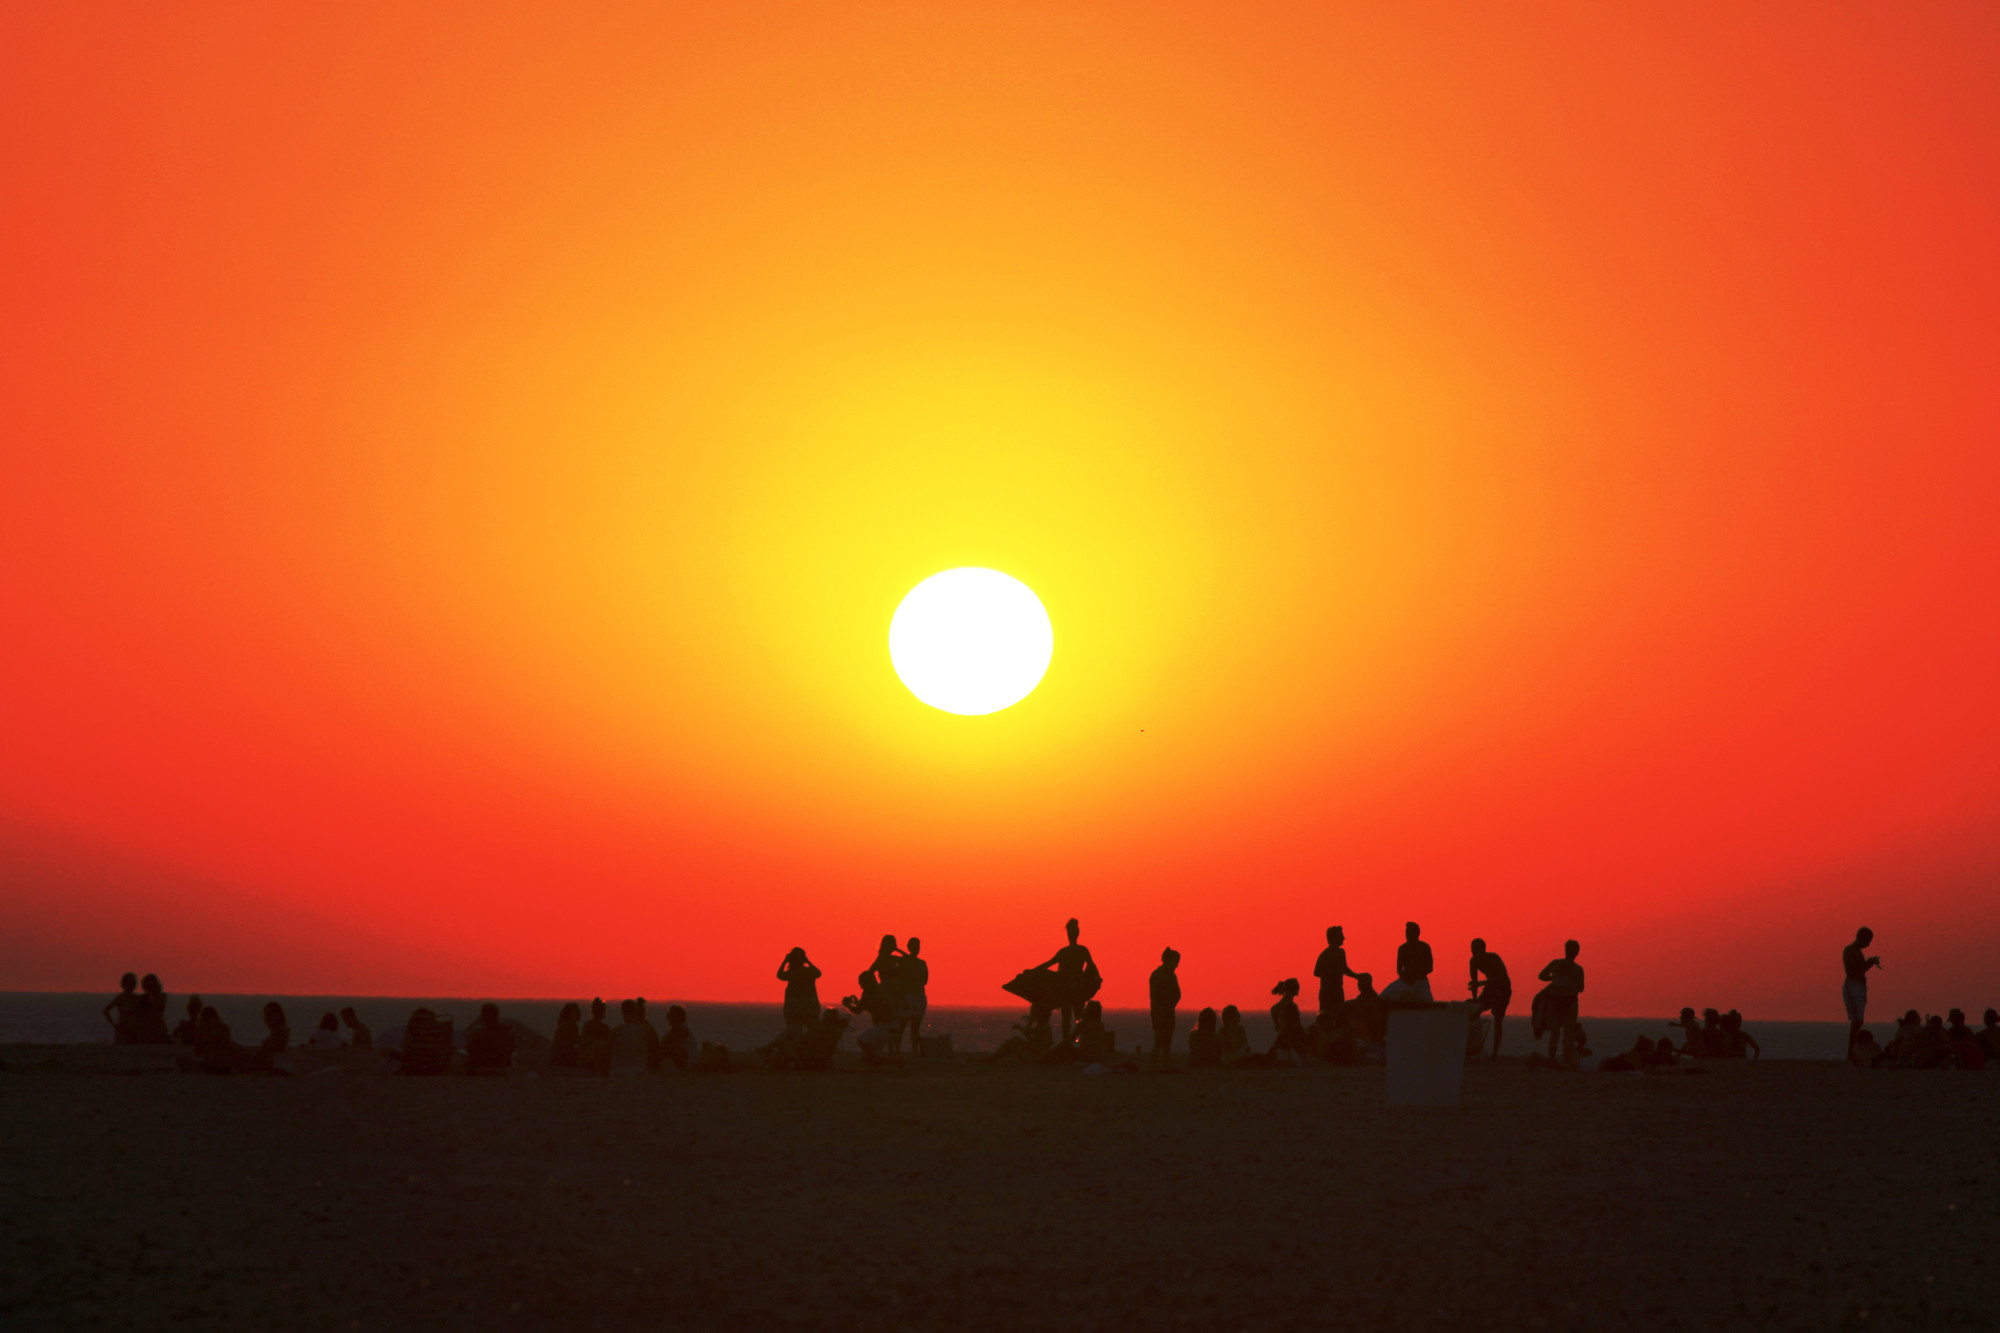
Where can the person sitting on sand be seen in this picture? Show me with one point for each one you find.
(1164, 993)
(1204, 1044)
(1332, 1038)
(1739, 1042)
(1032, 1042)
(358, 1035)
(1714, 1041)
(1989, 1036)
(593, 1047)
(678, 1046)
(271, 1055)
(1966, 1052)
(1333, 971)
(1495, 992)
(913, 979)
(1366, 1012)
(185, 1029)
(214, 1045)
(1089, 1043)
(1864, 1053)
(569, 1037)
(1414, 963)
(1290, 1042)
(149, 1023)
(1237, 1053)
(801, 980)
(1690, 1027)
(806, 1046)
(326, 1036)
(122, 1013)
(634, 1043)
(489, 1047)
(427, 1046)
(1556, 1005)
(1930, 1048)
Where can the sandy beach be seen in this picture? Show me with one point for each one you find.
(1782, 1194)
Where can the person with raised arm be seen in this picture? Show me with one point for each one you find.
(1077, 976)
(801, 980)
(1857, 963)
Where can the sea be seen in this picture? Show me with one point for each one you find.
(71, 1017)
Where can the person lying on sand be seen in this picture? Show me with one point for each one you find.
(1632, 1061)
(1033, 1040)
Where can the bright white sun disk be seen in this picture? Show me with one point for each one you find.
(971, 641)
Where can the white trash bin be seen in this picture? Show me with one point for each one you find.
(1426, 1055)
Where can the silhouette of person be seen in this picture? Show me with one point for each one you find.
(1855, 963)
(1164, 993)
(593, 1051)
(887, 970)
(1032, 1040)
(635, 1046)
(1333, 971)
(801, 980)
(1989, 1035)
(277, 1039)
(214, 1045)
(123, 1010)
(185, 1029)
(569, 1037)
(325, 1037)
(149, 1023)
(1076, 974)
(1413, 962)
(1365, 1011)
(1558, 1001)
(1285, 1019)
(1692, 1042)
(489, 1047)
(913, 976)
(1204, 1043)
(1233, 1040)
(358, 1035)
(1090, 1044)
(1496, 992)
(678, 1047)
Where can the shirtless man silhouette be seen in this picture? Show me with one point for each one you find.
(1494, 994)
(1854, 990)
(1333, 971)
(1414, 963)
(1560, 996)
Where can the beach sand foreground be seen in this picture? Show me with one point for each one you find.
(1771, 1195)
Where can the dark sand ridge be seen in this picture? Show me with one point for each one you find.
(1774, 1195)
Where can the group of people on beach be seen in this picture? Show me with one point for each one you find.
(1064, 1024)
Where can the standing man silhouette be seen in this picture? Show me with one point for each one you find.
(1164, 992)
(1413, 961)
(1333, 971)
(1076, 975)
(1854, 990)
(1560, 998)
(1497, 990)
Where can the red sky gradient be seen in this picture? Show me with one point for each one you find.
(1531, 472)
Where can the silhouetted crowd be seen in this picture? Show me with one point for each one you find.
(1064, 1024)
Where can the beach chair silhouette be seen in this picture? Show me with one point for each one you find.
(426, 1048)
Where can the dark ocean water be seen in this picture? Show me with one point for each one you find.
(68, 1017)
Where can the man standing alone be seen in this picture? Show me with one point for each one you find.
(1854, 991)
(1166, 997)
(1333, 971)
(1496, 992)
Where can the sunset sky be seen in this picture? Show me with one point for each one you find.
(1535, 472)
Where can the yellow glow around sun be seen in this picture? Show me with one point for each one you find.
(971, 641)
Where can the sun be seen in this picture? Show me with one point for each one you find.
(971, 641)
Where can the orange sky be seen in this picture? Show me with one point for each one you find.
(1533, 472)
